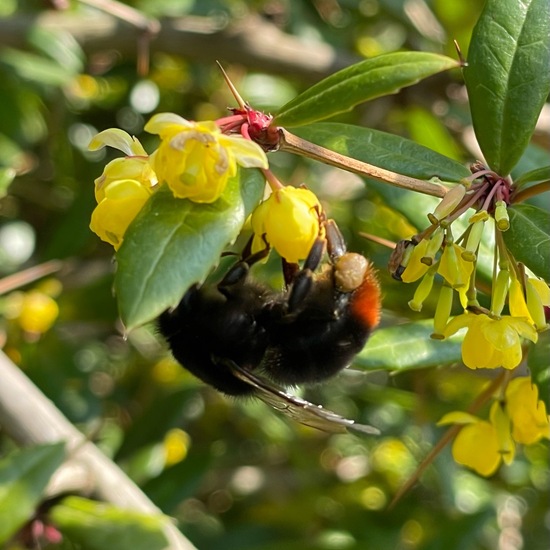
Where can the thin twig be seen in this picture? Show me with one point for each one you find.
(293, 144)
(22, 278)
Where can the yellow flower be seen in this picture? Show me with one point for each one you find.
(118, 139)
(481, 444)
(195, 159)
(289, 222)
(527, 412)
(135, 166)
(516, 301)
(127, 168)
(416, 268)
(491, 343)
(453, 268)
(34, 311)
(123, 199)
(176, 445)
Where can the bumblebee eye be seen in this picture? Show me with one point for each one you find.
(349, 271)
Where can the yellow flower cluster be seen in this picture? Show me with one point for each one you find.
(519, 418)
(195, 160)
(493, 339)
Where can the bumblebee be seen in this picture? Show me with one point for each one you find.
(245, 339)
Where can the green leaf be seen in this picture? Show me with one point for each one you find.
(529, 238)
(408, 347)
(536, 175)
(507, 77)
(36, 68)
(537, 361)
(97, 526)
(384, 150)
(379, 76)
(24, 475)
(174, 243)
(60, 46)
(7, 175)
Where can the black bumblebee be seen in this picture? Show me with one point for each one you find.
(240, 336)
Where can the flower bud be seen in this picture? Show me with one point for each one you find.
(500, 291)
(442, 311)
(535, 306)
(474, 238)
(422, 290)
(289, 221)
(448, 203)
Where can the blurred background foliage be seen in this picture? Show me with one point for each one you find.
(235, 474)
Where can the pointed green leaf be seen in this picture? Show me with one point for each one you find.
(98, 526)
(507, 77)
(174, 243)
(24, 475)
(384, 150)
(379, 76)
(529, 238)
(408, 347)
(536, 175)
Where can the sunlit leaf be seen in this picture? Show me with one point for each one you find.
(29, 66)
(24, 475)
(507, 77)
(384, 150)
(174, 243)
(375, 77)
(408, 346)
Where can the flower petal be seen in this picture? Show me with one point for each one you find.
(247, 153)
(457, 417)
(119, 139)
(476, 446)
(164, 123)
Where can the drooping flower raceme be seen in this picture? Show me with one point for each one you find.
(123, 188)
(288, 221)
(520, 417)
(196, 160)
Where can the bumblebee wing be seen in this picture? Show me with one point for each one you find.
(299, 409)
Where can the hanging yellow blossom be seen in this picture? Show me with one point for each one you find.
(123, 199)
(289, 222)
(481, 444)
(527, 412)
(490, 343)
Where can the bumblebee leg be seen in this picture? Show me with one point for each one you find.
(303, 279)
(239, 272)
(336, 244)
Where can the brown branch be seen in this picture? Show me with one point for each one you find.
(251, 41)
(30, 418)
